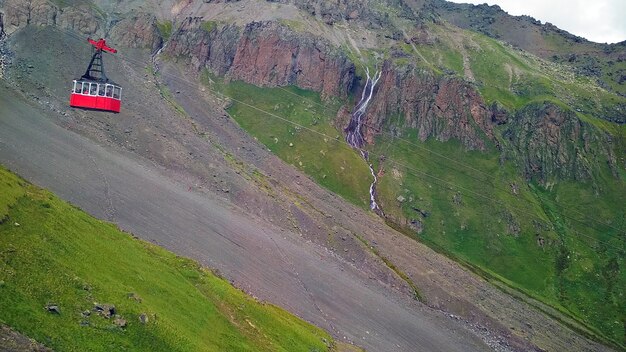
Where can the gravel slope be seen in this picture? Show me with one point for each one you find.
(281, 237)
(302, 277)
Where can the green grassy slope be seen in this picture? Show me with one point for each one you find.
(561, 241)
(521, 239)
(515, 78)
(53, 253)
(569, 248)
(316, 148)
(595, 60)
(545, 242)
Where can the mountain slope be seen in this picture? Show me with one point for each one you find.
(542, 119)
(541, 124)
(251, 240)
(603, 62)
(54, 254)
(459, 125)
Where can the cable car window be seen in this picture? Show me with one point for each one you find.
(109, 91)
(116, 92)
(93, 90)
(78, 87)
(101, 89)
(85, 88)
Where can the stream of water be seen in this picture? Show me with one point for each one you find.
(354, 133)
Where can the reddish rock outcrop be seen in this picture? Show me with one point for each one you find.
(269, 54)
(438, 107)
(266, 54)
(137, 31)
(82, 19)
(206, 46)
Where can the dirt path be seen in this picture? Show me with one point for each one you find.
(302, 277)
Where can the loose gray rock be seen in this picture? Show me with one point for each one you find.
(120, 322)
(105, 310)
(53, 308)
(134, 296)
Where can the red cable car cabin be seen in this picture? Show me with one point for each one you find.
(94, 90)
(94, 95)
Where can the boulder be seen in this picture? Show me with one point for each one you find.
(120, 322)
(105, 310)
(53, 308)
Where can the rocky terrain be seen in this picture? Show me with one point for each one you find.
(604, 62)
(443, 108)
(551, 141)
(265, 54)
(12, 341)
(434, 86)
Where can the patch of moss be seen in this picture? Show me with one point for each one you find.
(208, 26)
(165, 29)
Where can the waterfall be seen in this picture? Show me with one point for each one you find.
(354, 134)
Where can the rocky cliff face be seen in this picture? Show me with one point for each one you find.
(269, 54)
(549, 142)
(373, 14)
(265, 54)
(82, 19)
(206, 45)
(2, 32)
(546, 141)
(137, 31)
(439, 107)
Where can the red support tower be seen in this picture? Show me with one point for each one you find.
(94, 90)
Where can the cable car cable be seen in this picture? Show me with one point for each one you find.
(194, 85)
(343, 143)
(489, 177)
(332, 138)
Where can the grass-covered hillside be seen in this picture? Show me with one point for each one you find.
(563, 244)
(541, 208)
(552, 233)
(62, 271)
(557, 239)
(301, 132)
(603, 62)
(560, 244)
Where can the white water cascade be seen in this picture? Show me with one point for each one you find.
(354, 134)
